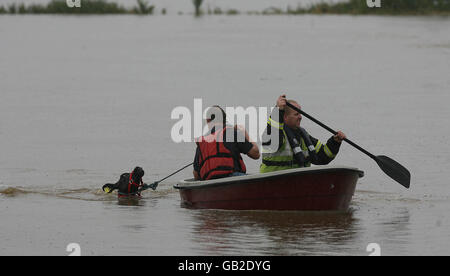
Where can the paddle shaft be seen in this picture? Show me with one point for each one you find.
(330, 129)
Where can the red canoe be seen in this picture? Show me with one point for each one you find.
(321, 188)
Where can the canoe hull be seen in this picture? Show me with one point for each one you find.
(329, 189)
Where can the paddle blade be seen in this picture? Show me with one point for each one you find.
(108, 188)
(393, 169)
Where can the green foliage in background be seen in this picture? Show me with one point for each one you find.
(87, 7)
(143, 7)
(388, 7)
(197, 4)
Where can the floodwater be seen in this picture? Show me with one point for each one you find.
(84, 99)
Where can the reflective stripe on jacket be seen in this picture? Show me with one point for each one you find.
(282, 157)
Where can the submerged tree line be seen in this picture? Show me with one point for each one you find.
(392, 7)
(87, 7)
(142, 7)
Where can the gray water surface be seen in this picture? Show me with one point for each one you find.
(84, 99)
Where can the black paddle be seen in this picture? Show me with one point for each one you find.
(108, 188)
(391, 167)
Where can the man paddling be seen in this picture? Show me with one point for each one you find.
(218, 153)
(286, 145)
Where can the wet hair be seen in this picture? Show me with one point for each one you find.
(138, 173)
(214, 112)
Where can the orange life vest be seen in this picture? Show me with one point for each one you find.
(215, 160)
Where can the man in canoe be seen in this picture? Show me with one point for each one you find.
(286, 145)
(218, 153)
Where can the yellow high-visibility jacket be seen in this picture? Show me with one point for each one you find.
(277, 153)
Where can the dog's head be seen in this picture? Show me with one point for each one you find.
(138, 173)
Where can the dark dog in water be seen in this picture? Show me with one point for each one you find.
(129, 184)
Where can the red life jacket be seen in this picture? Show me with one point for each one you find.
(215, 160)
(130, 184)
